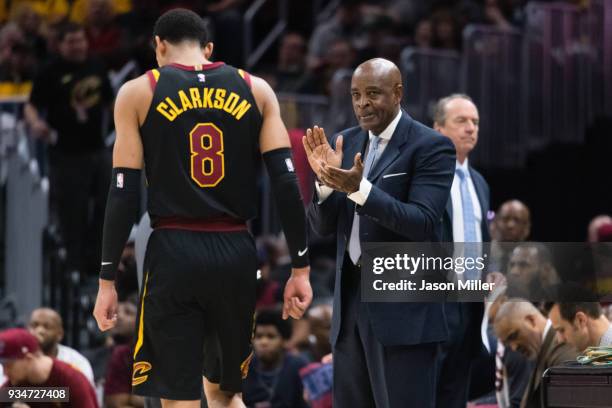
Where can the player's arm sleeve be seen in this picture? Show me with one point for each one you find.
(289, 203)
(122, 207)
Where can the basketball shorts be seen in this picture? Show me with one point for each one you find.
(195, 316)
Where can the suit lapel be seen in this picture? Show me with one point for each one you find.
(547, 348)
(393, 149)
(479, 193)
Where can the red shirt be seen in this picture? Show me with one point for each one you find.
(119, 371)
(82, 394)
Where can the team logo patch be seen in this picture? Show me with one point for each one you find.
(119, 180)
(289, 164)
(138, 373)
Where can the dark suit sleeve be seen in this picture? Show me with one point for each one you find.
(323, 217)
(419, 216)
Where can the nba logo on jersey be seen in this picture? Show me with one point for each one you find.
(289, 164)
(119, 180)
(201, 77)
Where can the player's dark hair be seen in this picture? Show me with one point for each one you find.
(179, 25)
(69, 27)
(274, 317)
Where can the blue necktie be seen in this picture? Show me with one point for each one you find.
(354, 247)
(469, 223)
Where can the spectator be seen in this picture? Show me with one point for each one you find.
(319, 318)
(16, 61)
(445, 30)
(344, 24)
(104, 35)
(46, 325)
(423, 34)
(30, 24)
(74, 92)
(511, 225)
(290, 74)
(521, 327)
(26, 366)
(226, 17)
(581, 325)
(118, 382)
(274, 374)
(594, 226)
(339, 58)
(512, 222)
(531, 272)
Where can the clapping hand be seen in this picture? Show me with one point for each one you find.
(319, 151)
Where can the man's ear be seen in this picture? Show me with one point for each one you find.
(399, 92)
(208, 49)
(580, 319)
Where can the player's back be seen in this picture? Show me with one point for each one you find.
(200, 138)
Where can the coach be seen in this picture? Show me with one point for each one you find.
(384, 353)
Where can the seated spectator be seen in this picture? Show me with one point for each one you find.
(26, 366)
(47, 326)
(581, 325)
(30, 23)
(273, 379)
(520, 326)
(531, 272)
(118, 383)
(50, 11)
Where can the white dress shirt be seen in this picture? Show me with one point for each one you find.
(458, 235)
(360, 196)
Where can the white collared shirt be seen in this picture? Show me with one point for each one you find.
(458, 230)
(360, 196)
(546, 329)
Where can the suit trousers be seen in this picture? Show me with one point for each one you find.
(368, 374)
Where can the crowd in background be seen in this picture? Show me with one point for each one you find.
(68, 58)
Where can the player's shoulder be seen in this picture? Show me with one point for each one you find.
(134, 86)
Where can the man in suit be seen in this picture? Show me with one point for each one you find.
(521, 326)
(464, 220)
(384, 353)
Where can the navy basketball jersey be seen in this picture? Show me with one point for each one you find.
(201, 143)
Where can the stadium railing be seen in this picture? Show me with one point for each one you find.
(25, 212)
(491, 75)
(428, 75)
(563, 68)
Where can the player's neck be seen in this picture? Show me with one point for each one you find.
(188, 57)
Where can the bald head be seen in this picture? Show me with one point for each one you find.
(515, 309)
(513, 221)
(520, 325)
(376, 91)
(46, 324)
(381, 68)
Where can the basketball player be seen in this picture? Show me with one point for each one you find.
(197, 128)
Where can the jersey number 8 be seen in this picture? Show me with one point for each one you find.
(207, 159)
